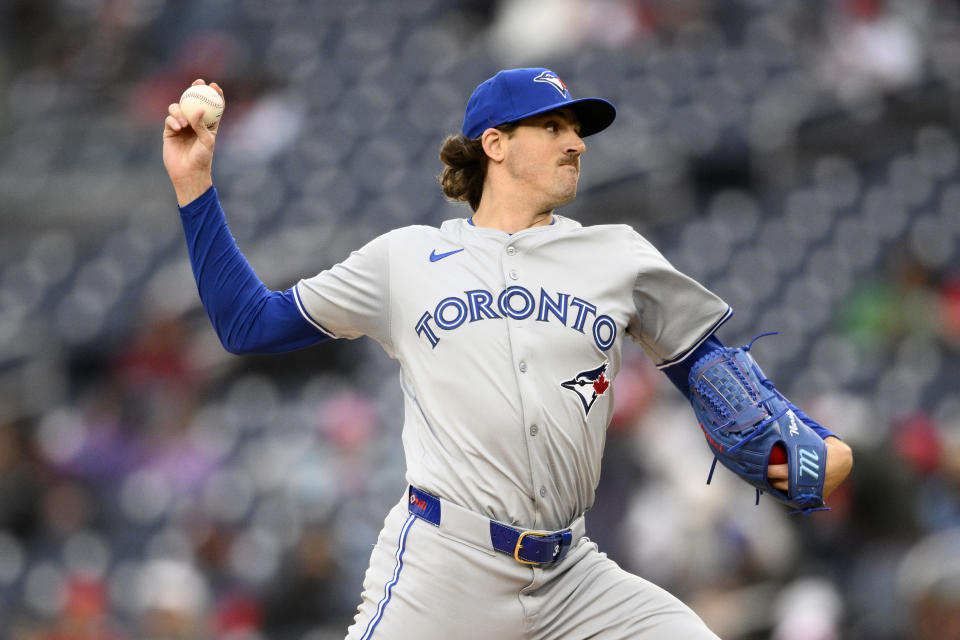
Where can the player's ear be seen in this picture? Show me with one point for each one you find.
(492, 142)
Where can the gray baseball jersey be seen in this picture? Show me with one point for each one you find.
(508, 347)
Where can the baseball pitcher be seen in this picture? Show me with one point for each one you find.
(508, 327)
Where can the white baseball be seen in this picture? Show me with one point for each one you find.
(204, 97)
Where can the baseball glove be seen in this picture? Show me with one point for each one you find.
(744, 417)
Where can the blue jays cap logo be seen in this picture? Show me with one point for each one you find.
(589, 385)
(549, 77)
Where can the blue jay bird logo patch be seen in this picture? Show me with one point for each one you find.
(589, 385)
(554, 81)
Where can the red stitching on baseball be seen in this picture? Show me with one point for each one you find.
(203, 99)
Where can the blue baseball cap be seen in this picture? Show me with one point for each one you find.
(516, 94)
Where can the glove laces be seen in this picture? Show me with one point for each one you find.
(757, 337)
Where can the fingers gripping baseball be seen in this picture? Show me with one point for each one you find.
(188, 146)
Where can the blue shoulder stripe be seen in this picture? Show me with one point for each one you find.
(306, 314)
(686, 354)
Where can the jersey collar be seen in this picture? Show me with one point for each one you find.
(553, 221)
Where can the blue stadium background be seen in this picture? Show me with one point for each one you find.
(799, 158)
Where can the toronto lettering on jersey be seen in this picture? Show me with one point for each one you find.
(517, 303)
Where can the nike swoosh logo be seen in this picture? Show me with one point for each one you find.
(434, 256)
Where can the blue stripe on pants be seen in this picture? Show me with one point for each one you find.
(401, 545)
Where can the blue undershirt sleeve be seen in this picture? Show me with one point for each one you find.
(248, 317)
(679, 372)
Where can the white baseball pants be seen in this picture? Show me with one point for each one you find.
(425, 583)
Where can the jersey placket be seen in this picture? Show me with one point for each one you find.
(518, 330)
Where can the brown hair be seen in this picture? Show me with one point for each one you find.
(465, 167)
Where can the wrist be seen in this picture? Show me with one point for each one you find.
(188, 190)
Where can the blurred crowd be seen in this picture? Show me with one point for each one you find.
(800, 158)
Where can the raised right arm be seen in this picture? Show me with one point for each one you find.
(248, 317)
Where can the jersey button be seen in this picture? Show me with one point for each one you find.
(543, 492)
(513, 274)
(511, 250)
(523, 367)
(534, 429)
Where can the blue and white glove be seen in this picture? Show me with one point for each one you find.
(744, 417)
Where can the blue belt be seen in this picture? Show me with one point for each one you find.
(526, 546)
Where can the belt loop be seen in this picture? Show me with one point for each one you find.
(425, 506)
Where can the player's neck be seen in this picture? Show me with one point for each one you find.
(509, 215)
